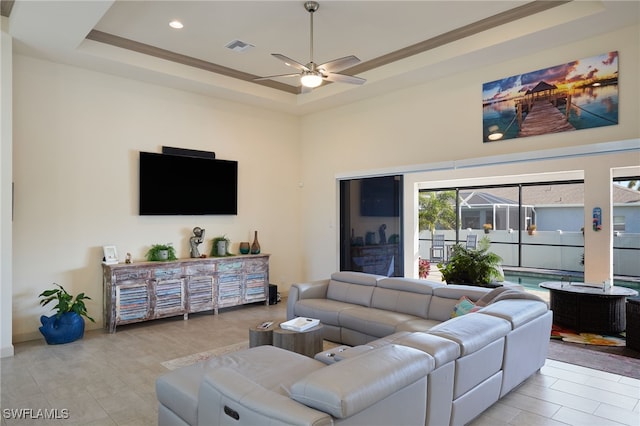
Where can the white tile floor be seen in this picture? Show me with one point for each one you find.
(109, 379)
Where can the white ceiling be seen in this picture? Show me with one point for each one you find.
(400, 43)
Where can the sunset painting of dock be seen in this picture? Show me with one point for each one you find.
(581, 94)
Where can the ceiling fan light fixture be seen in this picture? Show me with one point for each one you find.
(310, 79)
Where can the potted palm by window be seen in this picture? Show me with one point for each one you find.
(67, 325)
(478, 267)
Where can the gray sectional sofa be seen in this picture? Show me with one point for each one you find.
(403, 359)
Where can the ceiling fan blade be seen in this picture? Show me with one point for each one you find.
(339, 64)
(290, 62)
(269, 77)
(341, 78)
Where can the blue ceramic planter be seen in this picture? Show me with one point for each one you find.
(63, 329)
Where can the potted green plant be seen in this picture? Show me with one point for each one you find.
(473, 266)
(160, 252)
(67, 325)
(220, 246)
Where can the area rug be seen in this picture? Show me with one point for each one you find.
(567, 335)
(611, 359)
(203, 356)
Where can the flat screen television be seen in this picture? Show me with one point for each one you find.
(184, 185)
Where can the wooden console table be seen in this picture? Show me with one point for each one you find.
(588, 308)
(143, 291)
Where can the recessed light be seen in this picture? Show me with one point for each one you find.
(176, 24)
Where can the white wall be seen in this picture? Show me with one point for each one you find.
(77, 135)
(439, 122)
(6, 53)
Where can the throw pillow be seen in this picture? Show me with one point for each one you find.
(464, 306)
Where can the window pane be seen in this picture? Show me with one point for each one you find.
(436, 216)
(626, 227)
(557, 211)
(492, 213)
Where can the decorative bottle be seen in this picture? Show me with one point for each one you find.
(255, 246)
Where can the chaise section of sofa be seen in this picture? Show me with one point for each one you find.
(268, 385)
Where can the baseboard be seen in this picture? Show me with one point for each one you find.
(6, 351)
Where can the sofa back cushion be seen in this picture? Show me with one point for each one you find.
(352, 287)
(404, 295)
(353, 385)
(445, 298)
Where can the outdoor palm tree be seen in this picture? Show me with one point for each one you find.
(436, 209)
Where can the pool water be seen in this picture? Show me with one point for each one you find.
(532, 281)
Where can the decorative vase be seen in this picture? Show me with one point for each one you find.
(66, 328)
(221, 248)
(255, 247)
(245, 248)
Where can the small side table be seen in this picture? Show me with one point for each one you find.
(259, 336)
(308, 342)
(633, 323)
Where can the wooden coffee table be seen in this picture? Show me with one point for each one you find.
(308, 342)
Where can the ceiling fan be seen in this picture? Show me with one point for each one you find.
(312, 75)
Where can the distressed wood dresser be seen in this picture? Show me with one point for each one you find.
(144, 291)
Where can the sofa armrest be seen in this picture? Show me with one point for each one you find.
(299, 291)
(227, 393)
(350, 386)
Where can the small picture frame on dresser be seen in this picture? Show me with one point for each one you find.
(110, 255)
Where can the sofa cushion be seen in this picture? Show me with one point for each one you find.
(409, 296)
(356, 277)
(409, 284)
(406, 302)
(352, 287)
(373, 376)
(516, 311)
(442, 350)
(417, 324)
(473, 331)
(327, 311)
(257, 364)
(371, 321)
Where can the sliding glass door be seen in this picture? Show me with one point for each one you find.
(371, 233)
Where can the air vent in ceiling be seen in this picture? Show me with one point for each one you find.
(238, 46)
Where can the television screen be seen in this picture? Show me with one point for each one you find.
(182, 185)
